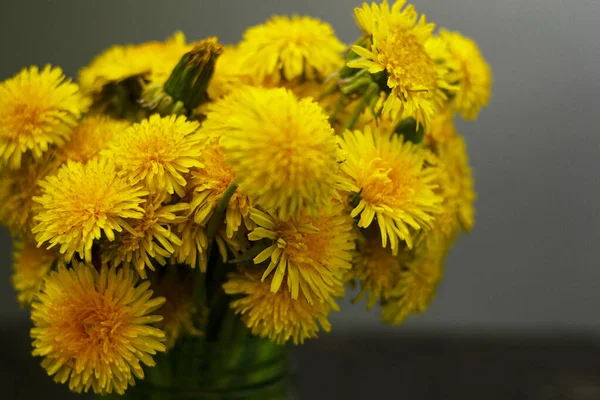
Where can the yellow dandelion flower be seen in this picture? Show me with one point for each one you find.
(229, 74)
(194, 244)
(37, 109)
(238, 243)
(384, 123)
(310, 254)
(151, 237)
(209, 184)
(457, 182)
(179, 307)
(82, 202)
(400, 45)
(18, 187)
(368, 16)
(311, 89)
(151, 61)
(377, 269)
(275, 315)
(157, 151)
(30, 267)
(447, 223)
(473, 72)
(417, 285)
(442, 128)
(93, 328)
(286, 48)
(393, 182)
(282, 150)
(90, 137)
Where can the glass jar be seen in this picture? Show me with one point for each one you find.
(252, 368)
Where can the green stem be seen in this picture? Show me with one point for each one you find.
(355, 85)
(218, 215)
(200, 284)
(330, 90)
(200, 299)
(337, 108)
(362, 104)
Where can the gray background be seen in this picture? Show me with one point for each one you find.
(531, 262)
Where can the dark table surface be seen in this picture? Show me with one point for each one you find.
(403, 366)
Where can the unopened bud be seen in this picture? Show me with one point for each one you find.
(190, 78)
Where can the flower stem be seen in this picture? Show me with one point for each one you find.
(362, 104)
(337, 108)
(218, 216)
(200, 284)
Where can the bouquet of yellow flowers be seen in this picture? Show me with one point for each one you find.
(187, 208)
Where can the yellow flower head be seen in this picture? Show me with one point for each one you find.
(93, 328)
(17, 189)
(30, 267)
(289, 48)
(400, 45)
(179, 307)
(417, 285)
(194, 244)
(275, 315)
(82, 202)
(456, 185)
(473, 73)
(158, 152)
(441, 129)
(229, 74)
(310, 254)
(282, 150)
(152, 61)
(376, 268)
(393, 182)
(90, 137)
(37, 109)
(151, 237)
(447, 223)
(209, 183)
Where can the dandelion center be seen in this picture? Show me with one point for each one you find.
(407, 62)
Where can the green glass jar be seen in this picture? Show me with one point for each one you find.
(253, 369)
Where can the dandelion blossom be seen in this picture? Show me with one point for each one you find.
(377, 269)
(289, 48)
(282, 150)
(30, 267)
(275, 315)
(151, 61)
(18, 187)
(417, 285)
(441, 129)
(209, 183)
(310, 254)
(194, 244)
(229, 74)
(473, 72)
(447, 223)
(157, 151)
(37, 109)
(457, 182)
(93, 328)
(152, 237)
(401, 46)
(82, 202)
(90, 137)
(393, 182)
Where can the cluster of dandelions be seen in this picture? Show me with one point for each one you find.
(288, 164)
